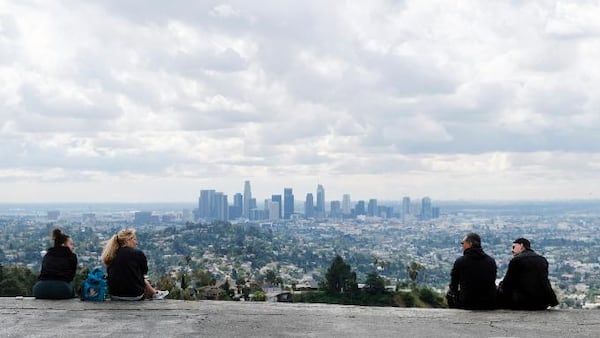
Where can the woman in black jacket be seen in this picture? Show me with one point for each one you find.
(127, 266)
(58, 269)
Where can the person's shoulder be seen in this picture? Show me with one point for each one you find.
(527, 254)
(60, 251)
(130, 250)
(136, 252)
(460, 259)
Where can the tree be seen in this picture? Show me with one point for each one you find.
(413, 272)
(203, 278)
(374, 284)
(16, 281)
(226, 287)
(271, 277)
(185, 269)
(339, 277)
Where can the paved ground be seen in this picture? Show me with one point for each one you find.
(171, 318)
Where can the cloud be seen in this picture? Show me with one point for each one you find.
(401, 97)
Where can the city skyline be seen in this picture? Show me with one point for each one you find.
(469, 100)
(215, 205)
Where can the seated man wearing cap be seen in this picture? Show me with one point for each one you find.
(525, 285)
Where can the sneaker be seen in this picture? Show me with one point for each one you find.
(160, 294)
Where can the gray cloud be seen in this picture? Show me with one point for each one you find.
(384, 91)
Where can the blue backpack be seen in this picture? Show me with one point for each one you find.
(94, 287)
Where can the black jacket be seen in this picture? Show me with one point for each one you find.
(126, 273)
(473, 280)
(526, 285)
(59, 263)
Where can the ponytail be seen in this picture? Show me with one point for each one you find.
(114, 243)
(59, 237)
(110, 250)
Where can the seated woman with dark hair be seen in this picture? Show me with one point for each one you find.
(58, 269)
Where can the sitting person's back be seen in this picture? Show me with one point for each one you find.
(126, 273)
(472, 279)
(525, 285)
(58, 269)
(126, 266)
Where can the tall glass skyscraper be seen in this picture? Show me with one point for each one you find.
(309, 207)
(206, 203)
(346, 204)
(405, 207)
(213, 205)
(238, 206)
(247, 199)
(277, 198)
(320, 207)
(372, 208)
(288, 203)
(426, 212)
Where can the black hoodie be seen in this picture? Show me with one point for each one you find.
(473, 279)
(59, 263)
(526, 285)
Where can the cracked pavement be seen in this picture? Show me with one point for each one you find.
(173, 318)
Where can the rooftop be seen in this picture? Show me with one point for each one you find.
(28, 317)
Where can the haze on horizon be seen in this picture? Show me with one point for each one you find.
(464, 100)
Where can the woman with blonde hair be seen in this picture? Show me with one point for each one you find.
(126, 266)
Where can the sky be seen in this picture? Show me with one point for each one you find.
(144, 101)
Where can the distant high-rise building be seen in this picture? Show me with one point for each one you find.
(359, 209)
(386, 212)
(372, 208)
(320, 207)
(288, 203)
(426, 212)
(221, 210)
(346, 204)
(258, 214)
(273, 208)
(145, 217)
(277, 198)
(205, 203)
(213, 205)
(309, 207)
(235, 211)
(335, 209)
(247, 199)
(435, 212)
(405, 206)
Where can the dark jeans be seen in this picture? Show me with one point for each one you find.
(53, 289)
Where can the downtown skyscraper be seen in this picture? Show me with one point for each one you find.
(247, 200)
(346, 204)
(288, 203)
(320, 207)
(213, 205)
(309, 207)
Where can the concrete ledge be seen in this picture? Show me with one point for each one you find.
(172, 318)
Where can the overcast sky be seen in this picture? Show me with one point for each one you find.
(140, 101)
